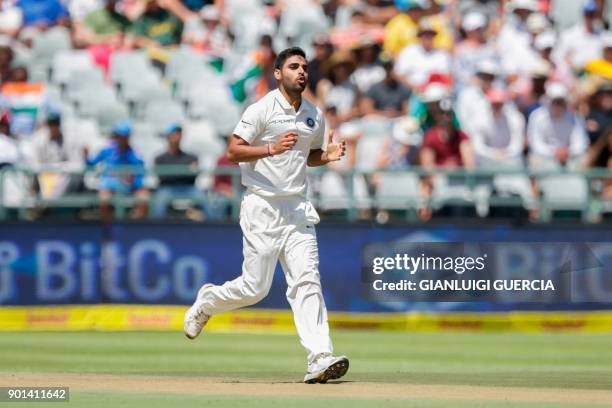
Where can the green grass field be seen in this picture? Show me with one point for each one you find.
(151, 369)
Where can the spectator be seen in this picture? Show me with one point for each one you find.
(6, 59)
(156, 27)
(10, 149)
(104, 26)
(115, 180)
(369, 70)
(473, 49)
(207, 33)
(472, 103)
(337, 89)
(388, 98)
(556, 135)
(323, 49)
(43, 13)
(602, 66)
(400, 149)
(444, 146)
(417, 62)
(530, 98)
(422, 107)
(514, 40)
(177, 186)
(401, 31)
(599, 120)
(256, 73)
(582, 42)
(53, 158)
(500, 137)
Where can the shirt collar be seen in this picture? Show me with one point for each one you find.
(284, 103)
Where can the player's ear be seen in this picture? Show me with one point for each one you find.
(277, 74)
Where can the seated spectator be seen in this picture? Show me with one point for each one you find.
(369, 70)
(43, 13)
(423, 106)
(444, 146)
(514, 40)
(105, 26)
(599, 119)
(473, 49)
(124, 181)
(500, 137)
(472, 103)
(25, 100)
(337, 89)
(401, 30)
(417, 62)
(156, 27)
(400, 149)
(207, 33)
(53, 158)
(172, 187)
(582, 42)
(6, 59)
(388, 98)
(556, 135)
(10, 149)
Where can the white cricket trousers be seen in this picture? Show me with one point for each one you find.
(279, 228)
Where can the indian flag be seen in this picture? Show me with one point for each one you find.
(25, 100)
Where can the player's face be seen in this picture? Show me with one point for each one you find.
(293, 75)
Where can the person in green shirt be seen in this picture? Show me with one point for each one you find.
(156, 27)
(105, 26)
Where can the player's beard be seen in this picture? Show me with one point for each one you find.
(294, 86)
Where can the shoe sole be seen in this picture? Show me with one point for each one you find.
(333, 372)
(204, 287)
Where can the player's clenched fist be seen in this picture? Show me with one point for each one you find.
(284, 143)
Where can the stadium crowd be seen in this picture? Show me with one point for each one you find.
(471, 84)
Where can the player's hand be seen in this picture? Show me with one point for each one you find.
(335, 151)
(284, 143)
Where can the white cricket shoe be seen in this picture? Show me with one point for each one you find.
(326, 368)
(195, 318)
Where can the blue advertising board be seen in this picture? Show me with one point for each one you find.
(149, 263)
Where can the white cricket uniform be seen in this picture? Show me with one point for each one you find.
(277, 221)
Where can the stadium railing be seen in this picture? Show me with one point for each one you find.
(580, 191)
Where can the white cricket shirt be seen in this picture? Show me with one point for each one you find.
(264, 122)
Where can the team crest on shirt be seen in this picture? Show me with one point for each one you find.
(310, 122)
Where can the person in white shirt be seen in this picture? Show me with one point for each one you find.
(473, 49)
(500, 137)
(556, 135)
(582, 42)
(416, 62)
(472, 103)
(276, 138)
(514, 40)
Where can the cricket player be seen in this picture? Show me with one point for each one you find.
(276, 139)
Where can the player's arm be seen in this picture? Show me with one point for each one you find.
(239, 150)
(334, 152)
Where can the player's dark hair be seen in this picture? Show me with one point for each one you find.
(287, 53)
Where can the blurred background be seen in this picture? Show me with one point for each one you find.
(474, 120)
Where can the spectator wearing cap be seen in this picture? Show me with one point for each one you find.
(42, 13)
(123, 172)
(323, 49)
(387, 98)
(599, 119)
(423, 105)
(400, 149)
(156, 27)
(474, 48)
(172, 187)
(499, 138)
(54, 157)
(514, 40)
(472, 103)
(417, 62)
(556, 135)
(444, 146)
(530, 97)
(105, 26)
(207, 33)
(369, 69)
(402, 30)
(336, 89)
(583, 42)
